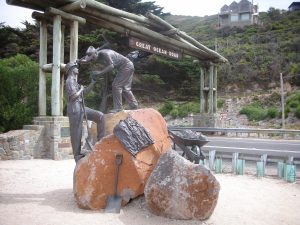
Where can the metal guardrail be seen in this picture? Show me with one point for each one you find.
(282, 132)
(290, 155)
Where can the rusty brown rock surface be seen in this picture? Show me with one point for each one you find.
(94, 174)
(179, 189)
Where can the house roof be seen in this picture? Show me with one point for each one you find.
(234, 7)
(294, 4)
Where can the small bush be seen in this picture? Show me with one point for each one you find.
(272, 112)
(174, 113)
(220, 103)
(293, 101)
(166, 108)
(297, 112)
(181, 110)
(18, 92)
(254, 113)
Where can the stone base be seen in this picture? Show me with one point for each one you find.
(205, 120)
(55, 143)
(20, 144)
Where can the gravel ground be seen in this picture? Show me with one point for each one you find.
(39, 192)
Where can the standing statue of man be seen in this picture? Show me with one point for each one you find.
(122, 83)
(75, 109)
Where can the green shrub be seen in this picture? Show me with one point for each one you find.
(254, 113)
(174, 113)
(297, 112)
(294, 100)
(220, 103)
(153, 79)
(18, 92)
(166, 108)
(179, 110)
(272, 112)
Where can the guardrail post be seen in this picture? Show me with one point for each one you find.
(290, 173)
(218, 165)
(260, 169)
(263, 158)
(280, 169)
(240, 166)
(212, 155)
(290, 160)
(235, 157)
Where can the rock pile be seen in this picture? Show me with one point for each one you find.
(94, 174)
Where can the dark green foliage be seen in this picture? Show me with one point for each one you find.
(188, 108)
(15, 40)
(254, 112)
(293, 103)
(297, 112)
(18, 92)
(179, 110)
(167, 108)
(272, 112)
(137, 6)
(220, 103)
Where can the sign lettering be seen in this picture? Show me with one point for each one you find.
(154, 48)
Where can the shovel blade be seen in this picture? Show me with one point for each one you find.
(113, 204)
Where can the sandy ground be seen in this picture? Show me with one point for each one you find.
(39, 192)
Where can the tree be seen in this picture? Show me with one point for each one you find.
(137, 7)
(18, 92)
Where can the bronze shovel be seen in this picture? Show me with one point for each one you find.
(114, 202)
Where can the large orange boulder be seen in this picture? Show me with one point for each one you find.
(179, 189)
(94, 174)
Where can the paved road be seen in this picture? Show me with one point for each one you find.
(253, 146)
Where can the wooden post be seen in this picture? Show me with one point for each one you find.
(62, 81)
(210, 92)
(55, 88)
(282, 102)
(42, 74)
(74, 41)
(202, 98)
(215, 96)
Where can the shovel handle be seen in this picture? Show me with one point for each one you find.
(119, 157)
(118, 161)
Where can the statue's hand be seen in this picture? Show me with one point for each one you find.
(93, 79)
(96, 73)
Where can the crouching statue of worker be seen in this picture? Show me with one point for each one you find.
(122, 83)
(75, 109)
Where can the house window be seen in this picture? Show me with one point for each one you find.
(245, 17)
(234, 18)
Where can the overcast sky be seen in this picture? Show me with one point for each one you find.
(14, 16)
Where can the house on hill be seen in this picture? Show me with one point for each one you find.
(238, 14)
(294, 6)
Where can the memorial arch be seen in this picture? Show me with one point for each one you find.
(149, 33)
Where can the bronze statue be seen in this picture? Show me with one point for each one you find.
(122, 83)
(76, 109)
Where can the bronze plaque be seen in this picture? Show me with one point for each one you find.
(154, 48)
(65, 132)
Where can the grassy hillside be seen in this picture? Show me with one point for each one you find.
(256, 53)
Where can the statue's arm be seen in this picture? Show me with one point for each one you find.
(84, 60)
(75, 95)
(87, 89)
(107, 69)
